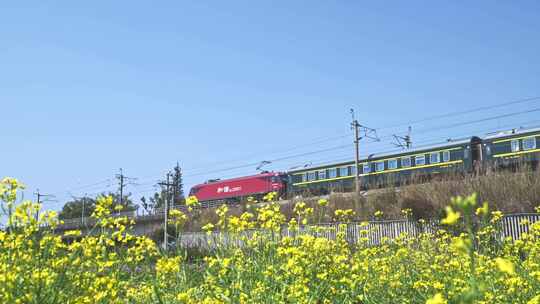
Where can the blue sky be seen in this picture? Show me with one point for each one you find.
(87, 88)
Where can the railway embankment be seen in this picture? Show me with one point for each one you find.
(509, 192)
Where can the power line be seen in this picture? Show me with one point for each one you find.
(209, 165)
(388, 136)
(425, 143)
(477, 121)
(327, 139)
(273, 160)
(91, 185)
(459, 124)
(479, 109)
(345, 146)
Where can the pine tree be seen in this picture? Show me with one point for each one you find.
(179, 198)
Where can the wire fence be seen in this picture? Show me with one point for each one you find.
(372, 233)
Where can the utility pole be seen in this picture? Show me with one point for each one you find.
(355, 125)
(47, 197)
(82, 212)
(83, 200)
(168, 186)
(404, 142)
(123, 181)
(368, 133)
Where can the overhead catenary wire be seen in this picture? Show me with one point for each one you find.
(426, 142)
(457, 113)
(462, 123)
(208, 165)
(429, 118)
(272, 160)
(439, 128)
(332, 138)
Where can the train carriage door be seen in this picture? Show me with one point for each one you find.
(477, 155)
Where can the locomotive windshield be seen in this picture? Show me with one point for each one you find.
(193, 191)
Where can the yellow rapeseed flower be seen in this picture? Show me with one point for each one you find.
(451, 216)
(482, 211)
(192, 201)
(72, 233)
(269, 197)
(208, 228)
(535, 300)
(323, 202)
(165, 266)
(505, 266)
(437, 299)
(406, 212)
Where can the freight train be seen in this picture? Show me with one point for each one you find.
(473, 155)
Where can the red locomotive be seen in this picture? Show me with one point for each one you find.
(242, 187)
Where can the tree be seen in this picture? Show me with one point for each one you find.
(154, 202)
(157, 200)
(178, 188)
(78, 207)
(74, 208)
(127, 203)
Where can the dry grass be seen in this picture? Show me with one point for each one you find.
(509, 192)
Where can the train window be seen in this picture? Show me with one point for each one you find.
(420, 160)
(343, 171)
(366, 168)
(304, 177)
(352, 169)
(529, 143)
(434, 158)
(379, 166)
(322, 174)
(406, 162)
(446, 156)
(514, 143)
(311, 176)
(332, 173)
(392, 164)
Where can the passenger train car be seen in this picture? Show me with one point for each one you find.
(381, 170)
(469, 156)
(502, 150)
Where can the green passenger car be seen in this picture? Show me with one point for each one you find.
(512, 148)
(385, 169)
(508, 149)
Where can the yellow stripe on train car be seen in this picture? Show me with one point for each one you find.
(445, 164)
(516, 153)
